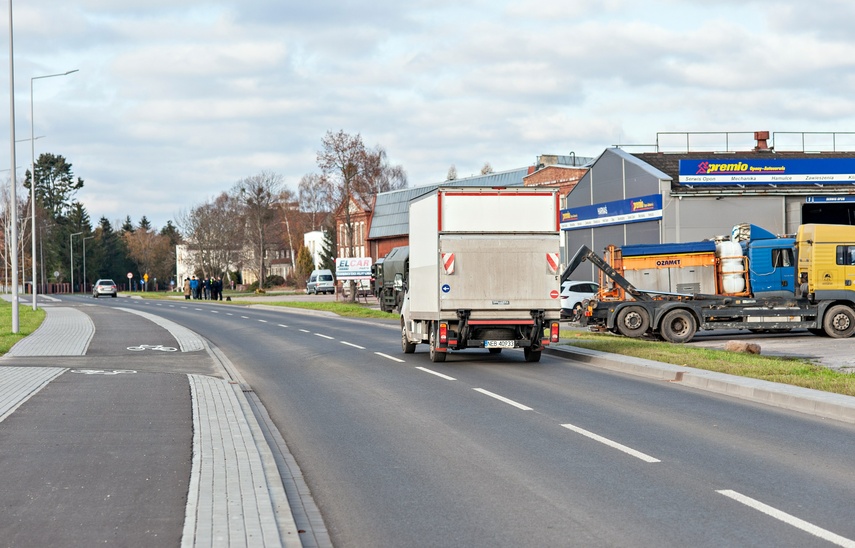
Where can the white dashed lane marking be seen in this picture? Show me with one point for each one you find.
(388, 357)
(437, 373)
(503, 399)
(612, 444)
(788, 519)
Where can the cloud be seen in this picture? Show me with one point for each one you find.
(175, 102)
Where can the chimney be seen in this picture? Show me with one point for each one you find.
(761, 137)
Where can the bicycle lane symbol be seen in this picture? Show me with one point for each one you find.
(159, 347)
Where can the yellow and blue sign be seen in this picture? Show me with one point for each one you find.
(633, 210)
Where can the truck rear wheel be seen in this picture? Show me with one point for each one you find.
(531, 355)
(406, 345)
(839, 322)
(632, 321)
(678, 326)
(435, 355)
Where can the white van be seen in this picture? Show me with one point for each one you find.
(320, 281)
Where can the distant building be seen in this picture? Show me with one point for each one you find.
(692, 194)
(314, 242)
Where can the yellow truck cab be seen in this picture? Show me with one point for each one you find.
(826, 262)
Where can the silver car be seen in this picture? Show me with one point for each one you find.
(105, 287)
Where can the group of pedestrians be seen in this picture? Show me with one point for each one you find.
(210, 289)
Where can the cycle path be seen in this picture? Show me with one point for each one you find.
(120, 428)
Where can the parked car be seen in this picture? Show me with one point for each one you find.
(105, 287)
(573, 294)
(320, 281)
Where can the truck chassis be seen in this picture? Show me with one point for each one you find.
(676, 318)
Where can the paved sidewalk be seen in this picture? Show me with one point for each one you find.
(236, 496)
(64, 332)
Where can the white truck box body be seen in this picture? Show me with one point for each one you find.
(504, 244)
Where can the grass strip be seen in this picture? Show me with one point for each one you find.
(785, 370)
(350, 310)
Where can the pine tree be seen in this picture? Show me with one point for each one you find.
(328, 250)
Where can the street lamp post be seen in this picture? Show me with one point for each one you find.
(71, 252)
(33, 175)
(13, 177)
(85, 279)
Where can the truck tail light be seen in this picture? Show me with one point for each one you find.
(443, 333)
(553, 332)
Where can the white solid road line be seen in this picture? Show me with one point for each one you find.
(353, 345)
(788, 519)
(437, 373)
(387, 356)
(610, 443)
(504, 399)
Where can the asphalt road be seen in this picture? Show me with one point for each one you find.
(487, 450)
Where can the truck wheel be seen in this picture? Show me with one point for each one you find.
(531, 355)
(839, 322)
(678, 326)
(632, 321)
(406, 345)
(435, 356)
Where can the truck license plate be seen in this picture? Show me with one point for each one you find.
(498, 344)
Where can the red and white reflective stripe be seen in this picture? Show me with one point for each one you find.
(552, 262)
(448, 262)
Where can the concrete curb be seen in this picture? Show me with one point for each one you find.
(794, 398)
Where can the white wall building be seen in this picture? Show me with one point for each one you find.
(314, 241)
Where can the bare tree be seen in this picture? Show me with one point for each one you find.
(259, 197)
(355, 174)
(215, 232)
(312, 197)
(343, 162)
(151, 252)
(380, 176)
(487, 169)
(288, 209)
(452, 174)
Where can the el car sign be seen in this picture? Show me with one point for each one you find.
(352, 268)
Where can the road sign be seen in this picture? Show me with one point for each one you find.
(130, 275)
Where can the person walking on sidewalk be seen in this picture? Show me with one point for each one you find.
(187, 289)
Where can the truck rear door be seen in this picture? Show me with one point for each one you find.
(499, 276)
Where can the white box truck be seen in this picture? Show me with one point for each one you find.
(483, 271)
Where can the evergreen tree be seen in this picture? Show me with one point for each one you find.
(55, 184)
(328, 250)
(127, 226)
(305, 265)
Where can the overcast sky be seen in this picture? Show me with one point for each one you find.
(175, 101)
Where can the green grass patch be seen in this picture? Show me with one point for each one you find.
(793, 371)
(28, 321)
(350, 310)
